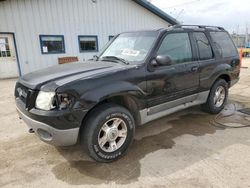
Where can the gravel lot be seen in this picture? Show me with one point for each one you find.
(180, 150)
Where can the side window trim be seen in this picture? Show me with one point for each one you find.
(197, 47)
(193, 47)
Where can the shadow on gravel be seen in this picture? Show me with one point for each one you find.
(127, 169)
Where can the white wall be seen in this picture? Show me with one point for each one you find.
(29, 18)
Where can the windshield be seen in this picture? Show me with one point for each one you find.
(131, 46)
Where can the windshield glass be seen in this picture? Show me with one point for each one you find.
(131, 46)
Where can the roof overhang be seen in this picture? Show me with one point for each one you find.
(152, 8)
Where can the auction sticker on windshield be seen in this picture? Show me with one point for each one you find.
(130, 52)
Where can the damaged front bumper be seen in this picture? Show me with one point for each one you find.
(50, 134)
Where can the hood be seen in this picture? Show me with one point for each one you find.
(63, 74)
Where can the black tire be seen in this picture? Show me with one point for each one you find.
(210, 105)
(92, 128)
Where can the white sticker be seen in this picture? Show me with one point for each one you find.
(2, 47)
(45, 49)
(2, 41)
(130, 52)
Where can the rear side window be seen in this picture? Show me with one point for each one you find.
(224, 44)
(204, 47)
(177, 46)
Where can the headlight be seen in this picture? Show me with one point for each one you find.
(45, 100)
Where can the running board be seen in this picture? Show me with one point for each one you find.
(147, 116)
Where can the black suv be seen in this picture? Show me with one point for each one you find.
(138, 77)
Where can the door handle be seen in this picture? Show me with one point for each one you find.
(194, 69)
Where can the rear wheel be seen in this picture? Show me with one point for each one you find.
(108, 132)
(217, 97)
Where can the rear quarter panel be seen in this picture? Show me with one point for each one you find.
(211, 70)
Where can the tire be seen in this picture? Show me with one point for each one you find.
(211, 106)
(107, 126)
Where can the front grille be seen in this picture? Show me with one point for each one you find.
(26, 95)
(21, 92)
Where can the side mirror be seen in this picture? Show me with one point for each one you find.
(163, 60)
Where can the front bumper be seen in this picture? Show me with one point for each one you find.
(49, 134)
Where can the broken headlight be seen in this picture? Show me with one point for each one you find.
(64, 100)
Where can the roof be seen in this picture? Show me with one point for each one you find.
(152, 8)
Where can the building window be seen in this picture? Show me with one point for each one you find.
(88, 43)
(110, 37)
(4, 47)
(52, 44)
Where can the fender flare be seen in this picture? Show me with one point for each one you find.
(218, 72)
(120, 88)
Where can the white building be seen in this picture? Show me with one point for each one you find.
(35, 33)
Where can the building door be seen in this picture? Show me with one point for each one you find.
(8, 60)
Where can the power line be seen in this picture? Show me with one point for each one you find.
(179, 14)
(181, 4)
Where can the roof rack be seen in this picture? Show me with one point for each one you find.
(199, 26)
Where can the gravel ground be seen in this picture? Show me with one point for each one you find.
(180, 150)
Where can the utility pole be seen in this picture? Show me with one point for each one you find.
(237, 36)
(246, 38)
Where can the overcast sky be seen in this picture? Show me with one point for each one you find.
(234, 15)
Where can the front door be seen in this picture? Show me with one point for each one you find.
(179, 80)
(8, 60)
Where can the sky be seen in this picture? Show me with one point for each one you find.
(233, 15)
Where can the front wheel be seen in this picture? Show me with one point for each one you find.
(107, 132)
(217, 97)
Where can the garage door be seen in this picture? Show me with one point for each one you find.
(8, 60)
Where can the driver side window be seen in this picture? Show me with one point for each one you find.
(177, 46)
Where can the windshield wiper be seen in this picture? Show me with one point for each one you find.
(116, 58)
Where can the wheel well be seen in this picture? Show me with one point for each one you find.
(226, 78)
(127, 102)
